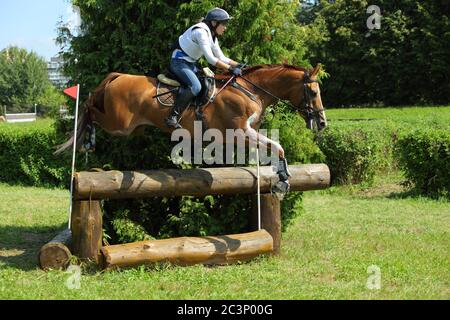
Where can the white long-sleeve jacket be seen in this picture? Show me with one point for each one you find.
(196, 42)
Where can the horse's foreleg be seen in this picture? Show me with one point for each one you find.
(282, 167)
(263, 141)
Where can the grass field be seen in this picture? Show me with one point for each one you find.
(407, 114)
(325, 254)
(39, 124)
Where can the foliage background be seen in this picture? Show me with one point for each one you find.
(403, 63)
(24, 82)
(135, 36)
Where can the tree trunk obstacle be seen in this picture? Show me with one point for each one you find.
(91, 187)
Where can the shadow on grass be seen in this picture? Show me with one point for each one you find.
(411, 193)
(19, 246)
(416, 194)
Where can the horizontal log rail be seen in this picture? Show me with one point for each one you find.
(193, 182)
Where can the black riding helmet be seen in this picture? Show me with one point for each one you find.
(217, 14)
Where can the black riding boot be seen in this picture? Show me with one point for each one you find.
(182, 101)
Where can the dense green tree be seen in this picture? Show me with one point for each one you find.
(406, 61)
(135, 36)
(24, 81)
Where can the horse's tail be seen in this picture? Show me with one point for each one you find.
(96, 100)
(81, 131)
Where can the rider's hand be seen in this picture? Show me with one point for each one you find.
(236, 71)
(240, 65)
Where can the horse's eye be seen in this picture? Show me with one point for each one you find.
(314, 92)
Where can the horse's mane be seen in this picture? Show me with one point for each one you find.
(251, 69)
(271, 66)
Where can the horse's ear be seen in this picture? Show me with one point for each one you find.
(316, 70)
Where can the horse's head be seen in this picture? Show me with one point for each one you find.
(296, 84)
(308, 101)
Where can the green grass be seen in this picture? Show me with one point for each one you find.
(39, 124)
(325, 253)
(410, 116)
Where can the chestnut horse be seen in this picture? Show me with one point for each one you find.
(122, 103)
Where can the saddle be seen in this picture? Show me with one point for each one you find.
(168, 86)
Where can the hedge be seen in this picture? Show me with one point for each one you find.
(355, 153)
(26, 156)
(424, 157)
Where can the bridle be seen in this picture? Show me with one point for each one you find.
(307, 108)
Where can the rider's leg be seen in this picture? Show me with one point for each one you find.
(185, 72)
(182, 101)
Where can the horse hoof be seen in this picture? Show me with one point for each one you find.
(281, 188)
(174, 126)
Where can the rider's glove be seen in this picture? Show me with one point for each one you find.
(236, 71)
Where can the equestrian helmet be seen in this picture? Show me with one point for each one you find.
(217, 14)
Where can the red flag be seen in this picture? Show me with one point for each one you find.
(72, 92)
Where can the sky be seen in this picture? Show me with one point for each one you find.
(31, 24)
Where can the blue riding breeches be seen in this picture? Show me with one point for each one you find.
(186, 73)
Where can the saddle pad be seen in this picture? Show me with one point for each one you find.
(165, 97)
(166, 94)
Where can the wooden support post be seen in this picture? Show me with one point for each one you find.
(56, 253)
(87, 230)
(270, 218)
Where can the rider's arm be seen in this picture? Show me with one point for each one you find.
(219, 54)
(201, 37)
(222, 65)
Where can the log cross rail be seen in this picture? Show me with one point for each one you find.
(193, 182)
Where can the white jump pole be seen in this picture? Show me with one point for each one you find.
(258, 188)
(75, 132)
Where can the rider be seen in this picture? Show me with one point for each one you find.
(197, 41)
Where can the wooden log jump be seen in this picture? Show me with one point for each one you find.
(91, 187)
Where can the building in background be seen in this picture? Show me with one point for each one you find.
(54, 67)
